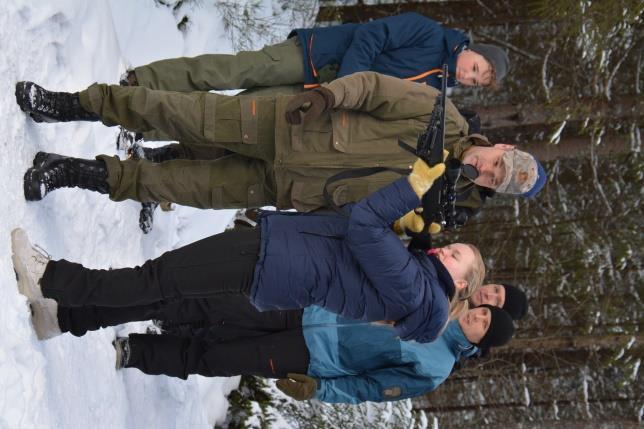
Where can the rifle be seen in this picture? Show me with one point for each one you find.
(439, 203)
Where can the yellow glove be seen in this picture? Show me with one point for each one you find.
(298, 386)
(422, 176)
(414, 222)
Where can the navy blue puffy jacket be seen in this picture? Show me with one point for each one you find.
(355, 267)
(408, 46)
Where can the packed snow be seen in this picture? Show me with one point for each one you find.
(70, 382)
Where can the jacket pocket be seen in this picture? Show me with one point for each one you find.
(314, 137)
(362, 134)
(309, 196)
(249, 115)
(256, 196)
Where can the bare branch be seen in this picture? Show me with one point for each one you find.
(490, 11)
(609, 81)
(638, 70)
(596, 139)
(544, 71)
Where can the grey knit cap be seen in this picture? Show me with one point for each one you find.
(495, 56)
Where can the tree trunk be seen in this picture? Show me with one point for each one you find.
(516, 404)
(579, 146)
(567, 424)
(514, 115)
(545, 344)
(456, 13)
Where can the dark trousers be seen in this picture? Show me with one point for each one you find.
(222, 264)
(239, 340)
(218, 319)
(212, 337)
(271, 355)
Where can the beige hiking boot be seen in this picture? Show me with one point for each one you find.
(44, 317)
(29, 263)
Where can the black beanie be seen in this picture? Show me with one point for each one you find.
(500, 331)
(495, 56)
(516, 303)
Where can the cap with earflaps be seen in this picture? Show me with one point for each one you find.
(495, 56)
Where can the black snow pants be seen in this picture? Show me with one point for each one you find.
(220, 268)
(239, 341)
(219, 265)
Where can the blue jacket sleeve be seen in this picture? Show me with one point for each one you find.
(388, 34)
(387, 384)
(390, 268)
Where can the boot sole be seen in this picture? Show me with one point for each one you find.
(31, 185)
(44, 323)
(21, 99)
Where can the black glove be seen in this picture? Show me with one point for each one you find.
(298, 386)
(311, 104)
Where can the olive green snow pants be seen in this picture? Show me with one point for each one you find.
(273, 65)
(280, 64)
(201, 121)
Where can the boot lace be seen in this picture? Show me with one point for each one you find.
(41, 256)
(58, 176)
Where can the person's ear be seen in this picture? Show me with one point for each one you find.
(504, 146)
(460, 285)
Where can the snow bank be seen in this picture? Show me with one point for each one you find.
(71, 382)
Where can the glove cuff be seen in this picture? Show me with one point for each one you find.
(329, 98)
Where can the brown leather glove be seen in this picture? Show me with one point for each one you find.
(309, 105)
(298, 386)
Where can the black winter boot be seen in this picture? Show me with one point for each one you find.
(126, 139)
(49, 106)
(159, 154)
(146, 216)
(122, 347)
(154, 154)
(52, 171)
(128, 78)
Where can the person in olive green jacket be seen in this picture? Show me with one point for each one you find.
(283, 148)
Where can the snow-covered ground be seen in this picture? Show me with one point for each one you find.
(70, 382)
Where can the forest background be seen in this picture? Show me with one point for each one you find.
(573, 98)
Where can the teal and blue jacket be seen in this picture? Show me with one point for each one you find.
(360, 361)
(408, 46)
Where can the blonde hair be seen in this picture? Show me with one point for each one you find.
(474, 277)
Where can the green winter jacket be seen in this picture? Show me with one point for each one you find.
(371, 112)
